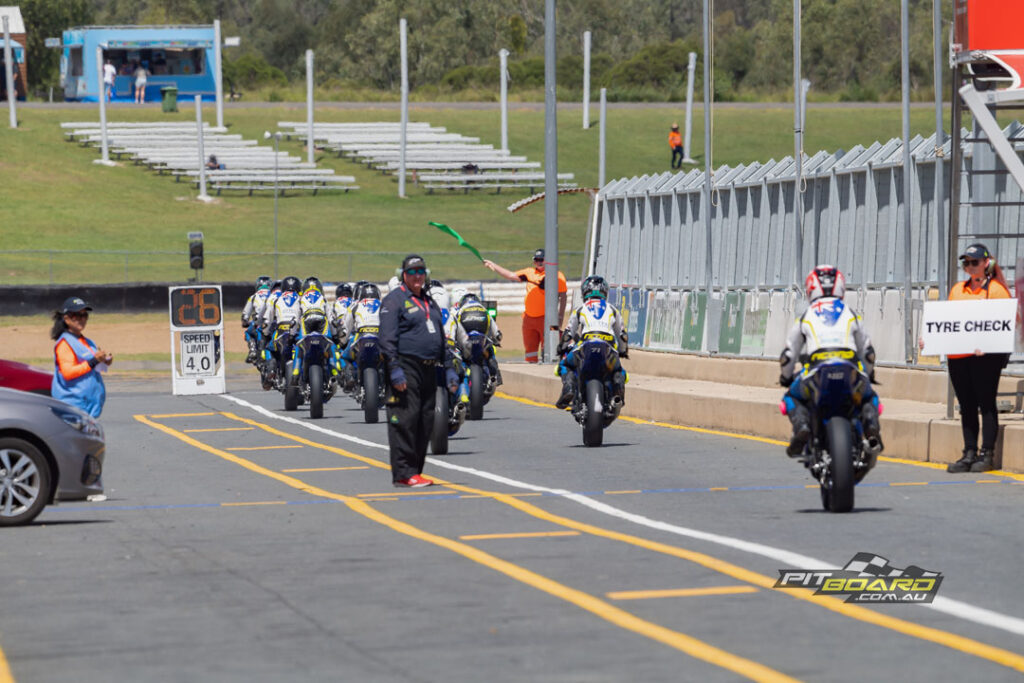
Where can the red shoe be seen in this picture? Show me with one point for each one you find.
(415, 482)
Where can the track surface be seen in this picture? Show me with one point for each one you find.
(239, 546)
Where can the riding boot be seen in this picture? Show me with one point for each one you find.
(984, 462)
(348, 377)
(965, 463)
(800, 418)
(872, 430)
(568, 391)
(251, 358)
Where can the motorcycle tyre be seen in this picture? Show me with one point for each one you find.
(840, 497)
(476, 392)
(439, 434)
(316, 392)
(593, 424)
(371, 396)
(291, 389)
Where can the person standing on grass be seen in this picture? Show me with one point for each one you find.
(78, 361)
(675, 141)
(141, 74)
(533, 316)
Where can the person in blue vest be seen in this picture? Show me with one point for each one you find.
(78, 362)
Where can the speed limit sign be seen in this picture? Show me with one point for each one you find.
(197, 354)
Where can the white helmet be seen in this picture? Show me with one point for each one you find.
(457, 294)
(393, 283)
(440, 296)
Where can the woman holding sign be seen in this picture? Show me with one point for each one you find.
(976, 377)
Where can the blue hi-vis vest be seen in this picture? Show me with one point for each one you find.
(86, 392)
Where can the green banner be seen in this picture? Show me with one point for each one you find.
(730, 334)
(462, 243)
(694, 310)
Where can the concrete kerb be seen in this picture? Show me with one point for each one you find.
(742, 396)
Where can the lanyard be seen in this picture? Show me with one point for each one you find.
(423, 307)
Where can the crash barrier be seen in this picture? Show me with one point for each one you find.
(651, 229)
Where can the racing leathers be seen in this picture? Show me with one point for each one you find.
(360, 319)
(282, 325)
(472, 318)
(314, 317)
(251, 322)
(594, 319)
(338, 310)
(828, 323)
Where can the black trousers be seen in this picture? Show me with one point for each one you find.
(411, 418)
(976, 381)
(677, 152)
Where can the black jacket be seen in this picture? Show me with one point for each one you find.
(403, 327)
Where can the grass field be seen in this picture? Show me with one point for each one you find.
(55, 198)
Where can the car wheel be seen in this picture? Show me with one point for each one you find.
(24, 482)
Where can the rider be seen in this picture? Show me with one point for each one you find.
(361, 319)
(257, 300)
(342, 302)
(282, 319)
(436, 291)
(595, 318)
(471, 316)
(827, 322)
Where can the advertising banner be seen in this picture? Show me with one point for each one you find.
(665, 321)
(730, 334)
(695, 307)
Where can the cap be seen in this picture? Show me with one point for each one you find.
(74, 304)
(413, 261)
(976, 250)
(539, 254)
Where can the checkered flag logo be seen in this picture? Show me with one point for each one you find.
(869, 564)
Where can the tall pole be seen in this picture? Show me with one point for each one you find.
(707, 149)
(9, 75)
(805, 85)
(503, 65)
(691, 68)
(402, 31)
(908, 334)
(939, 198)
(104, 146)
(277, 136)
(586, 80)
(551, 322)
(602, 145)
(798, 153)
(218, 72)
(310, 145)
(203, 197)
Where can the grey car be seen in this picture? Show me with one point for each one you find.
(49, 452)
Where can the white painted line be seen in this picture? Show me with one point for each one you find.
(949, 606)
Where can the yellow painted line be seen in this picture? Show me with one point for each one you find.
(927, 633)
(266, 502)
(989, 481)
(5, 671)
(616, 493)
(328, 469)
(619, 617)
(748, 437)
(719, 488)
(167, 415)
(219, 429)
(680, 592)
(524, 534)
(908, 483)
(263, 448)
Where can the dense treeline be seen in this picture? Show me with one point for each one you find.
(850, 47)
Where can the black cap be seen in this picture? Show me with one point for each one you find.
(74, 304)
(539, 254)
(976, 250)
(413, 261)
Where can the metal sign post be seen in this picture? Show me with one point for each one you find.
(104, 145)
(586, 80)
(197, 334)
(691, 67)
(218, 72)
(203, 197)
(503, 65)
(12, 95)
(402, 135)
(310, 146)
(551, 322)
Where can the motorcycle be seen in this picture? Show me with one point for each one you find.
(837, 455)
(278, 375)
(311, 369)
(595, 405)
(369, 364)
(449, 410)
(482, 382)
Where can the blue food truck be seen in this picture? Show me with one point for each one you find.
(179, 56)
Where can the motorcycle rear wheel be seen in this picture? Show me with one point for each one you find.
(439, 435)
(371, 394)
(316, 391)
(593, 424)
(476, 392)
(291, 389)
(839, 496)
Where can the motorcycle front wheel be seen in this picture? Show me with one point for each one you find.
(439, 435)
(316, 391)
(593, 425)
(371, 394)
(838, 495)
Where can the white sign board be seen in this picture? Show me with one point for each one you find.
(197, 355)
(986, 325)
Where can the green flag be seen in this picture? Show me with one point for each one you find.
(462, 243)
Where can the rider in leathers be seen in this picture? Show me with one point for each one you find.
(250, 315)
(314, 316)
(472, 316)
(282, 320)
(362, 318)
(594, 318)
(827, 323)
(439, 294)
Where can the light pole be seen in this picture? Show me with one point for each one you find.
(277, 137)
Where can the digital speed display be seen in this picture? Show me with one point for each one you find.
(195, 307)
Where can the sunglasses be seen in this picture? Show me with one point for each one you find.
(416, 271)
(79, 315)
(538, 260)
(970, 262)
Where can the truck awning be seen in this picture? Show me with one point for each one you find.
(165, 44)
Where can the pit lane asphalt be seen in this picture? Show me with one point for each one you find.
(200, 565)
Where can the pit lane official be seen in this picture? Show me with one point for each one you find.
(413, 343)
